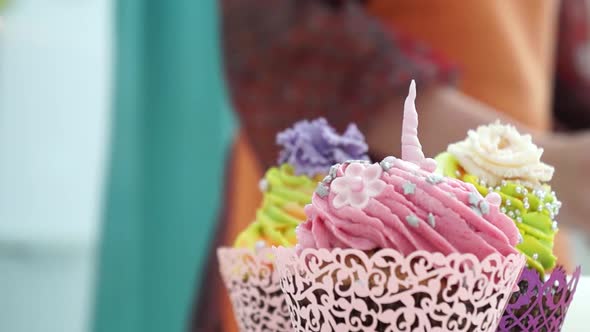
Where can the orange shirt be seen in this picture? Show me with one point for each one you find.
(504, 48)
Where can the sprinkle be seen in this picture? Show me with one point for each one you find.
(434, 178)
(431, 219)
(503, 183)
(539, 193)
(535, 256)
(554, 225)
(518, 190)
(334, 170)
(355, 161)
(525, 191)
(409, 188)
(497, 188)
(322, 190)
(482, 183)
(540, 208)
(558, 204)
(520, 238)
(474, 198)
(261, 244)
(476, 210)
(263, 185)
(517, 212)
(457, 173)
(526, 205)
(484, 206)
(412, 220)
(519, 219)
(387, 163)
(490, 189)
(511, 214)
(503, 209)
(508, 202)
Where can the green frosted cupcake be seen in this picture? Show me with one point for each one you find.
(498, 158)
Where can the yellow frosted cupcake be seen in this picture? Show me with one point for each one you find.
(310, 148)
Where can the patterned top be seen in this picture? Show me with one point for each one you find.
(572, 102)
(307, 58)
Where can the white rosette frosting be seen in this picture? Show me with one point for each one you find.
(499, 152)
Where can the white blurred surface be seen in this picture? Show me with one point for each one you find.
(55, 64)
(577, 316)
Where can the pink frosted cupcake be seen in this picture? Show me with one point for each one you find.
(392, 246)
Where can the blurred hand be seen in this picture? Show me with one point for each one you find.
(570, 155)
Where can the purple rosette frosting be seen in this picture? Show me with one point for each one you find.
(540, 306)
(312, 147)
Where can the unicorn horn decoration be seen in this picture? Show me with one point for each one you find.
(411, 147)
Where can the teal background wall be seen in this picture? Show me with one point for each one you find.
(171, 129)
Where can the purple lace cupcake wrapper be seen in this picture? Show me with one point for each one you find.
(540, 305)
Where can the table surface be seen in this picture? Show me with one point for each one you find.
(579, 311)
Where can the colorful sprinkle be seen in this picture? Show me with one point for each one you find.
(476, 210)
(474, 198)
(434, 179)
(484, 206)
(412, 220)
(334, 170)
(431, 219)
(409, 188)
(322, 190)
(387, 163)
(263, 185)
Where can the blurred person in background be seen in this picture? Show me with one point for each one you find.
(351, 61)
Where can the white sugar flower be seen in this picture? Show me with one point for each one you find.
(358, 184)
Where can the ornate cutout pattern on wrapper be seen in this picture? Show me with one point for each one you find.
(540, 306)
(350, 290)
(253, 286)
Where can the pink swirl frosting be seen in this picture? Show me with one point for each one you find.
(403, 205)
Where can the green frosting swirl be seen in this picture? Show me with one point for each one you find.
(285, 196)
(532, 209)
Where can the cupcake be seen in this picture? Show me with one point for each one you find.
(497, 159)
(309, 148)
(393, 246)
